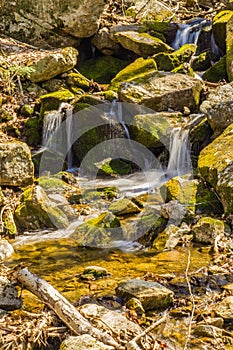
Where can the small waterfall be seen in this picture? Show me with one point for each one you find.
(117, 115)
(52, 121)
(69, 128)
(179, 160)
(189, 34)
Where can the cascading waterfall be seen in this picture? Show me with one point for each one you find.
(189, 34)
(179, 160)
(52, 122)
(116, 114)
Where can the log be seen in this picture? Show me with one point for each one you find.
(61, 306)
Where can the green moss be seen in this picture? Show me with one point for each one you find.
(184, 68)
(115, 167)
(88, 196)
(77, 80)
(217, 72)
(53, 100)
(27, 110)
(33, 129)
(168, 61)
(102, 69)
(80, 106)
(123, 207)
(50, 182)
(9, 223)
(137, 69)
(203, 61)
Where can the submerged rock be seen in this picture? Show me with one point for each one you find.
(83, 342)
(163, 92)
(16, 164)
(215, 165)
(36, 211)
(152, 295)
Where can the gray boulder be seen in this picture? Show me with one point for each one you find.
(9, 299)
(16, 164)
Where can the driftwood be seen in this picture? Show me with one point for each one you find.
(60, 305)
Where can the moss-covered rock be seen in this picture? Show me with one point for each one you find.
(33, 129)
(168, 61)
(152, 10)
(54, 84)
(217, 72)
(229, 48)
(16, 164)
(207, 229)
(136, 70)
(184, 68)
(124, 207)
(113, 167)
(102, 69)
(203, 61)
(162, 92)
(91, 195)
(27, 110)
(182, 189)
(167, 29)
(98, 232)
(143, 44)
(9, 223)
(48, 183)
(207, 202)
(53, 63)
(77, 80)
(215, 164)
(219, 28)
(35, 211)
(53, 100)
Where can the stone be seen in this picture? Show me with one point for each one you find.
(104, 42)
(207, 229)
(103, 318)
(16, 167)
(167, 29)
(170, 237)
(208, 331)
(36, 211)
(218, 108)
(224, 308)
(53, 100)
(173, 211)
(9, 223)
(94, 273)
(98, 232)
(219, 25)
(215, 164)
(168, 61)
(163, 92)
(77, 80)
(136, 70)
(102, 69)
(143, 44)
(53, 24)
(9, 299)
(203, 61)
(83, 342)
(6, 249)
(152, 10)
(217, 72)
(124, 207)
(53, 63)
(229, 48)
(113, 167)
(1, 197)
(152, 295)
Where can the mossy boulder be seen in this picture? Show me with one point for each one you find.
(53, 63)
(102, 69)
(218, 107)
(16, 164)
(182, 189)
(33, 129)
(215, 165)
(35, 211)
(152, 130)
(77, 80)
(207, 201)
(113, 167)
(152, 295)
(168, 61)
(203, 61)
(124, 207)
(53, 100)
(217, 72)
(91, 195)
(98, 232)
(162, 92)
(167, 29)
(229, 49)
(48, 183)
(208, 228)
(136, 70)
(143, 44)
(219, 28)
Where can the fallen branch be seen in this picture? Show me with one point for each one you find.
(60, 305)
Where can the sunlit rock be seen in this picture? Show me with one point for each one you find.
(207, 229)
(124, 207)
(83, 342)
